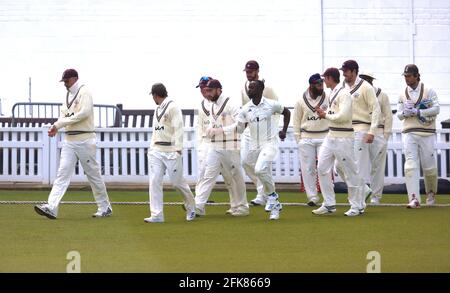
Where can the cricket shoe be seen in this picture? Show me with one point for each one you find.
(258, 201)
(375, 200)
(275, 212)
(154, 220)
(272, 201)
(324, 210)
(431, 198)
(200, 212)
(190, 215)
(367, 192)
(413, 204)
(100, 214)
(353, 212)
(240, 212)
(313, 202)
(44, 210)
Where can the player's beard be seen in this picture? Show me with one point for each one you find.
(316, 92)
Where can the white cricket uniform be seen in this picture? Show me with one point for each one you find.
(338, 146)
(163, 155)
(263, 146)
(268, 93)
(378, 148)
(77, 117)
(309, 132)
(365, 119)
(204, 143)
(223, 154)
(419, 138)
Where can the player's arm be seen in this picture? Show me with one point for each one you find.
(286, 118)
(433, 109)
(374, 108)
(387, 112)
(296, 120)
(345, 110)
(176, 118)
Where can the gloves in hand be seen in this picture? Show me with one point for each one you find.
(410, 112)
(409, 104)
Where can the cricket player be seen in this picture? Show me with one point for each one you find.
(418, 107)
(338, 146)
(365, 119)
(309, 132)
(252, 73)
(77, 117)
(257, 115)
(377, 149)
(204, 142)
(165, 155)
(223, 153)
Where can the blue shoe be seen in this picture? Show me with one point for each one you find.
(272, 201)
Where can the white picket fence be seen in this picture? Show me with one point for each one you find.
(29, 155)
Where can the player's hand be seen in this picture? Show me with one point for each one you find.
(409, 104)
(368, 138)
(282, 135)
(52, 131)
(320, 112)
(210, 132)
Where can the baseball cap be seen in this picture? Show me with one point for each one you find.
(349, 64)
(368, 74)
(251, 65)
(214, 84)
(203, 81)
(68, 73)
(410, 69)
(315, 78)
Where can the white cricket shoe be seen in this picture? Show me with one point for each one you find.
(154, 220)
(44, 210)
(367, 192)
(413, 204)
(375, 200)
(100, 214)
(200, 212)
(324, 210)
(190, 215)
(258, 201)
(229, 212)
(275, 212)
(240, 212)
(431, 198)
(353, 213)
(272, 201)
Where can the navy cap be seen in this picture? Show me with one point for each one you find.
(315, 78)
(410, 69)
(350, 65)
(68, 73)
(214, 84)
(251, 65)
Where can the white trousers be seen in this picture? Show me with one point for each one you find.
(245, 148)
(159, 163)
(308, 150)
(227, 161)
(85, 152)
(377, 153)
(258, 163)
(201, 164)
(341, 150)
(419, 152)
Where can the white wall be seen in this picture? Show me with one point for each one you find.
(120, 48)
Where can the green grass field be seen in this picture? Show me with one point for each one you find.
(408, 240)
